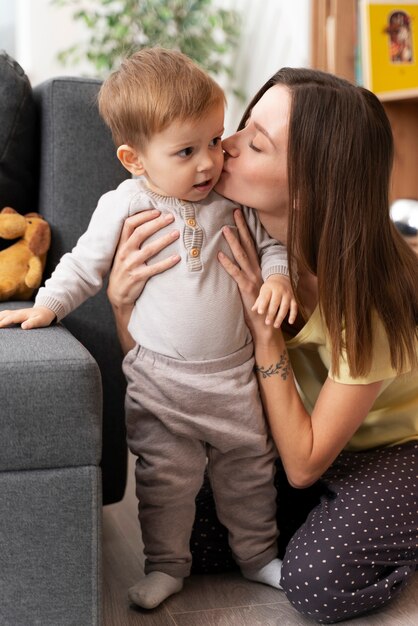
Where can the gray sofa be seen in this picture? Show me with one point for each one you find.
(62, 434)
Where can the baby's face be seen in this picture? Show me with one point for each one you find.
(185, 159)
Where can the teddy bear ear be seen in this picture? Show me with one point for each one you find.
(8, 209)
(40, 239)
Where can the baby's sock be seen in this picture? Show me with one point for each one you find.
(150, 591)
(270, 574)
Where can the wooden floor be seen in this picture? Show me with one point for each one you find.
(221, 600)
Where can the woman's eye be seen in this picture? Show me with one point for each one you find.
(253, 147)
(185, 152)
(215, 142)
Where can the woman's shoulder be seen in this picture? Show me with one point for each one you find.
(311, 337)
(381, 363)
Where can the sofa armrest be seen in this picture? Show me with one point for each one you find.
(50, 398)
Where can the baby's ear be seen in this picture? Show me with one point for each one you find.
(131, 160)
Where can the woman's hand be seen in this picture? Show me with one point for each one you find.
(246, 272)
(130, 271)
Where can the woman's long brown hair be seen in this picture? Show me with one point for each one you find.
(340, 154)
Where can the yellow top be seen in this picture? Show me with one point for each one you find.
(393, 418)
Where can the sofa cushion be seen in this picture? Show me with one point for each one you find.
(50, 399)
(18, 138)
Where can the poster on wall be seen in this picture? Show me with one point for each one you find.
(389, 48)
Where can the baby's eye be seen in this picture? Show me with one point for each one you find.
(214, 142)
(185, 152)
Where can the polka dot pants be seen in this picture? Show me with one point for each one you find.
(349, 543)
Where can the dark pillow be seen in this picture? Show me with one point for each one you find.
(18, 138)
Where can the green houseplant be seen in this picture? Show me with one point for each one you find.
(205, 32)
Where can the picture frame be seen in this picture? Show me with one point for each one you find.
(389, 48)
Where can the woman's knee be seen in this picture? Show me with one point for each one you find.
(313, 588)
(330, 590)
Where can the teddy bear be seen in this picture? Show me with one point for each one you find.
(22, 263)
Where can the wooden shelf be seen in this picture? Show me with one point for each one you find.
(334, 27)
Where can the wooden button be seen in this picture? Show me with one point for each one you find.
(194, 252)
(191, 222)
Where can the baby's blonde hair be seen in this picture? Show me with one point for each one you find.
(150, 90)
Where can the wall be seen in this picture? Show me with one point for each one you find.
(42, 30)
(275, 33)
(7, 19)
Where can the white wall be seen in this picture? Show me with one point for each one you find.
(42, 30)
(7, 20)
(275, 33)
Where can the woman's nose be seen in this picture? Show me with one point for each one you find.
(229, 146)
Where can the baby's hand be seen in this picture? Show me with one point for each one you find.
(276, 299)
(35, 317)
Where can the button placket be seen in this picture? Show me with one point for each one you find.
(192, 237)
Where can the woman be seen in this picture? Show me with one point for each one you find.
(313, 156)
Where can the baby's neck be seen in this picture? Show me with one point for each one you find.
(154, 189)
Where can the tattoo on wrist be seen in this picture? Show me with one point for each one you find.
(282, 368)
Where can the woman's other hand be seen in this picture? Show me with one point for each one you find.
(246, 271)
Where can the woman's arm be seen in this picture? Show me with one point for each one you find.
(130, 271)
(307, 444)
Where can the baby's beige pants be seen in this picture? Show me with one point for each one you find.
(181, 415)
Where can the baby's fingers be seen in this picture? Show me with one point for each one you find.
(10, 317)
(35, 317)
(293, 311)
(34, 321)
(261, 304)
(38, 317)
(282, 311)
